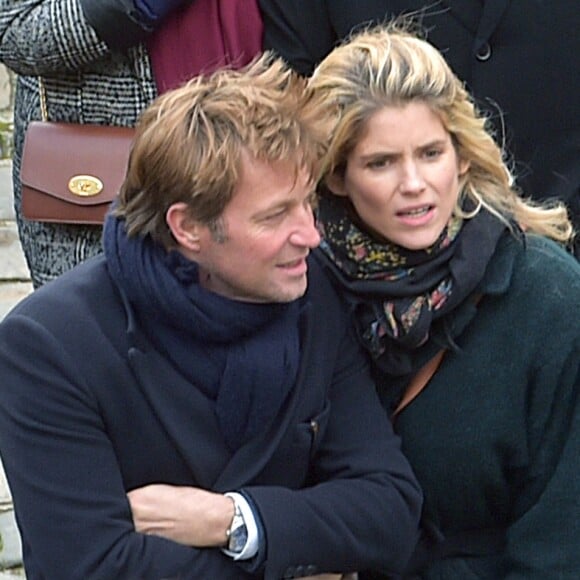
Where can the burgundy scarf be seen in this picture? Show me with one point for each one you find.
(202, 37)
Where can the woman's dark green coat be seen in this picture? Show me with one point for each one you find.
(494, 438)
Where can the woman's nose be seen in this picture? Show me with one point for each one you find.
(412, 181)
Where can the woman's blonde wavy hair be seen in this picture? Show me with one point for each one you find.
(389, 66)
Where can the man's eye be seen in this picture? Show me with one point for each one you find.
(312, 200)
(275, 215)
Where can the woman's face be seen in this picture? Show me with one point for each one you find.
(403, 175)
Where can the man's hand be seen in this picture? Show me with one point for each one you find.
(187, 515)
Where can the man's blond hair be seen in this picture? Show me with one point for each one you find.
(189, 142)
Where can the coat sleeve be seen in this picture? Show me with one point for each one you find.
(47, 38)
(543, 540)
(64, 476)
(51, 37)
(121, 24)
(363, 505)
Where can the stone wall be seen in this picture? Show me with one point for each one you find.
(6, 103)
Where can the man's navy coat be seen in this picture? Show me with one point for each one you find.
(89, 410)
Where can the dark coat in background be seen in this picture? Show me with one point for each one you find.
(519, 59)
(90, 410)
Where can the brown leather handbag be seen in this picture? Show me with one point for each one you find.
(71, 173)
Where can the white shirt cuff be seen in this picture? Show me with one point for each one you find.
(252, 543)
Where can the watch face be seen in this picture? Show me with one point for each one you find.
(238, 537)
(238, 532)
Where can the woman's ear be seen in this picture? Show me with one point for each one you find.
(464, 166)
(335, 182)
(184, 229)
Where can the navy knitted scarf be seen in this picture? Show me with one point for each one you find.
(243, 356)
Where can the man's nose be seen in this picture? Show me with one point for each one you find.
(305, 233)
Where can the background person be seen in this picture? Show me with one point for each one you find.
(513, 55)
(191, 360)
(103, 62)
(432, 249)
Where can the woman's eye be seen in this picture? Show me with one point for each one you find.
(433, 153)
(378, 163)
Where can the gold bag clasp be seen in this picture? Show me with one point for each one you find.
(85, 185)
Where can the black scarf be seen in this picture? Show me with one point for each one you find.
(243, 356)
(397, 294)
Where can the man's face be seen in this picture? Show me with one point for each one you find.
(268, 230)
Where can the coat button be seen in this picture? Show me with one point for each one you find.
(483, 52)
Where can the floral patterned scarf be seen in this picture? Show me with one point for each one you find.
(397, 294)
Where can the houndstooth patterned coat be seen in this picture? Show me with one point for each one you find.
(85, 82)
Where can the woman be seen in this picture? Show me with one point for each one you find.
(103, 63)
(435, 252)
(485, 43)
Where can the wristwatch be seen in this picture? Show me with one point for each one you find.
(237, 533)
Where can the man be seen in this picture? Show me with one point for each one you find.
(191, 361)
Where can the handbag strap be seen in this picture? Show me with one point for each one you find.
(420, 380)
(424, 374)
(43, 105)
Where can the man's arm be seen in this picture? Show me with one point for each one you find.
(188, 515)
(363, 506)
(360, 511)
(64, 475)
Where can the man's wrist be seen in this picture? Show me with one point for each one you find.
(221, 519)
(246, 535)
(237, 533)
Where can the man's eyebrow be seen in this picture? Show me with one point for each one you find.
(272, 208)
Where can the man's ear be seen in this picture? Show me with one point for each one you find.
(185, 230)
(335, 182)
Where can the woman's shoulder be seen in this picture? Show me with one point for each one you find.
(532, 257)
(548, 262)
(540, 248)
(533, 265)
